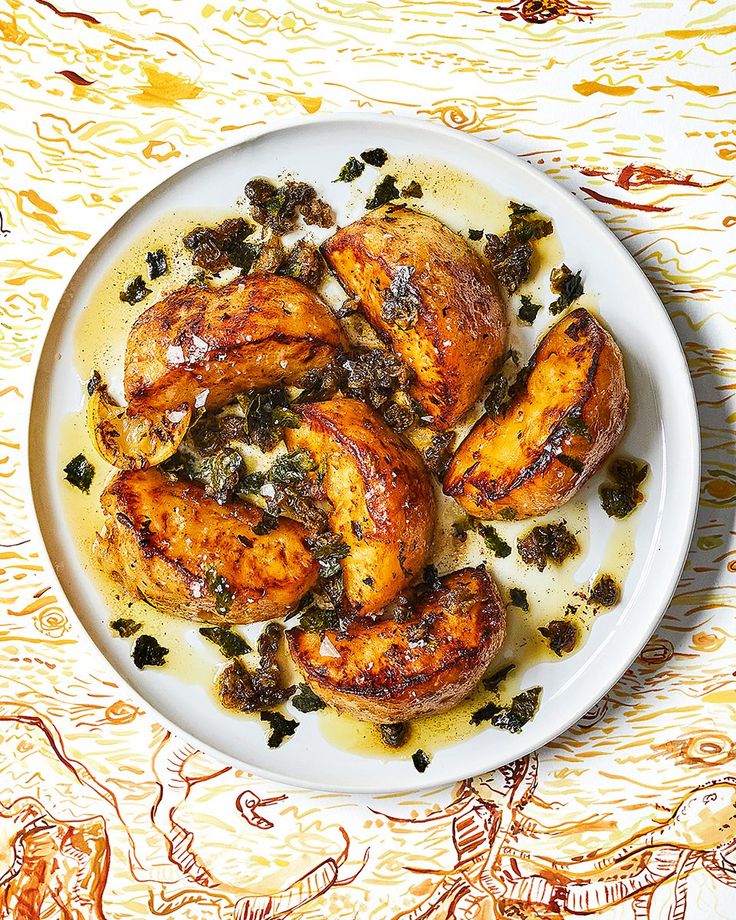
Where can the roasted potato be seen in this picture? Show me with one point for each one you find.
(430, 296)
(566, 415)
(381, 497)
(166, 542)
(255, 332)
(391, 672)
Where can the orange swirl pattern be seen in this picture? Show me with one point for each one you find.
(630, 814)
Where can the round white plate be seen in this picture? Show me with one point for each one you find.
(662, 429)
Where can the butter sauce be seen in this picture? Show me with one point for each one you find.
(463, 203)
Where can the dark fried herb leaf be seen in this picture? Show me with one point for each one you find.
(384, 192)
(561, 635)
(605, 592)
(230, 643)
(576, 425)
(493, 681)
(134, 291)
(475, 234)
(511, 253)
(438, 453)
(306, 700)
(551, 542)
(125, 627)
(498, 395)
(79, 472)
(519, 598)
(292, 467)
(510, 718)
(303, 263)
(220, 590)
(420, 759)
(377, 156)
(412, 190)
(394, 734)
(267, 523)
(319, 620)
(350, 171)
(495, 543)
(280, 727)
(267, 414)
(219, 474)
(569, 286)
(147, 653)
(620, 497)
(157, 264)
(528, 310)
(328, 549)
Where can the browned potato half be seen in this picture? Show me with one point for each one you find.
(565, 418)
(381, 496)
(392, 672)
(255, 332)
(429, 295)
(167, 543)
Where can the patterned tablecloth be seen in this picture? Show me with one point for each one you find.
(631, 813)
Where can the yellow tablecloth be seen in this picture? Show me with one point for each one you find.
(102, 812)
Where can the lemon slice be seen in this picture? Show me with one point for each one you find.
(134, 440)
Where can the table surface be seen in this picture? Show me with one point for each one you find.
(631, 813)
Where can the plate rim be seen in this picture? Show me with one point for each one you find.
(418, 123)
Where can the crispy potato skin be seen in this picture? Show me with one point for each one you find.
(460, 333)
(254, 332)
(510, 465)
(164, 561)
(381, 495)
(383, 674)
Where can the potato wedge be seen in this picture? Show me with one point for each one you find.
(383, 505)
(211, 344)
(430, 296)
(565, 418)
(392, 672)
(165, 542)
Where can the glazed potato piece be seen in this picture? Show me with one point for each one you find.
(167, 543)
(381, 497)
(565, 418)
(392, 672)
(429, 295)
(255, 332)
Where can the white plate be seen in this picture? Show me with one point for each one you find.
(663, 430)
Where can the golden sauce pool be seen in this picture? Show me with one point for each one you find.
(100, 341)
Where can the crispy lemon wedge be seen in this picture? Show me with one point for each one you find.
(134, 439)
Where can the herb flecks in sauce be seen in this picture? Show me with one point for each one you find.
(528, 310)
(519, 598)
(510, 255)
(394, 734)
(157, 264)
